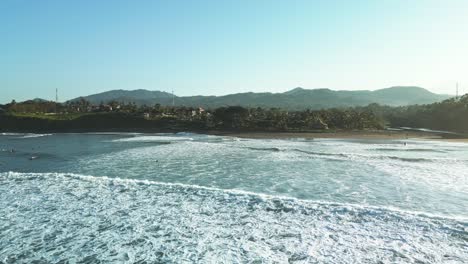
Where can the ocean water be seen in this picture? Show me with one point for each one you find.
(190, 198)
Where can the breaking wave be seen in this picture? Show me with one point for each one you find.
(153, 138)
(36, 135)
(411, 150)
(337, 156)
(25, 135)
(85, 218)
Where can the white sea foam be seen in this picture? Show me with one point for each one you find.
(215, 199)
(111, 133)
(84, 218)
(263, 196)
(25, 135)
(11, 134)
(36, 135)
(426, 181)
(153, 138)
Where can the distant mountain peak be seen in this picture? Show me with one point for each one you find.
(298, 89)
(295, 90)
(397, 90)
(403, 87)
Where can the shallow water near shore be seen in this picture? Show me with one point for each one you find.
(198, 198)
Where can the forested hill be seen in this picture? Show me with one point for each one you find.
(295, 99)
(35, 115)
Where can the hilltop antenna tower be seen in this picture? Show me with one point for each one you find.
(456, 97)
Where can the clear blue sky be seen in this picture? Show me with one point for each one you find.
(220, 47)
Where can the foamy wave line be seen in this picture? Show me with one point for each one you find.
(181, 136)
(110, 133)
(356, 155)
(25, 135)
(36, 135)
(11, 134)
(106, 179)
(153, 138)
(410, 150)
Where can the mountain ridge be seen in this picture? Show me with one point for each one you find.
(297, 98)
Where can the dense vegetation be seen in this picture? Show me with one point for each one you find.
(448, 115)
(81, 115)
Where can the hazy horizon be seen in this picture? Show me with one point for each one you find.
(218, 48)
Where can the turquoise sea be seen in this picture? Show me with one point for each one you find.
(192, 198)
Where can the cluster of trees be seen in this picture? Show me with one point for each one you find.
(225, 118)
(236, 117)
(450, 115)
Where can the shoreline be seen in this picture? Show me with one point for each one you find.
(340, 134)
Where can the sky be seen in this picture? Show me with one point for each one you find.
(217, 47)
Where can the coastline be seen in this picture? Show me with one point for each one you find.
(371, 134)
(125, 122)
(339, 134)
